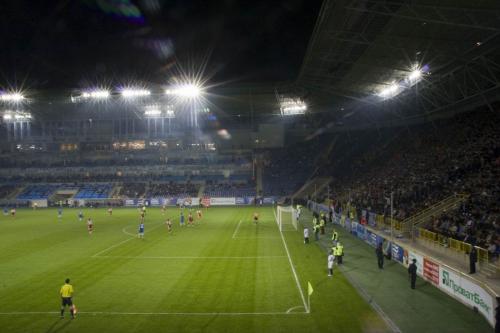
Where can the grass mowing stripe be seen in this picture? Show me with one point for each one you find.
(291, 266)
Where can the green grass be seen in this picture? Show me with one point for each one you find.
(218, 276)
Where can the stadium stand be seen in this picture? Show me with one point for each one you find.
(172, 189)
(421, 166)
(33, 192)
(295, 164)
(94, 191)
(230, 190)
(132, 190)
(7, 189)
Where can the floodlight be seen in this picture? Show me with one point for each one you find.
(152, 112)
(170, 113)
(292, 106)
(185, 90)
(390, 91)
(11, 97)
(415, 75)
(17, 116)
(97, 94)
(22, 116)
(135, 93)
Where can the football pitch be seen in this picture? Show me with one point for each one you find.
(223, 274)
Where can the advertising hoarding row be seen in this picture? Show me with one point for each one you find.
(194, 201)
(456, 284)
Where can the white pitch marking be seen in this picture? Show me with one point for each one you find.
(291, 266)
(126, 232)
(236, 230)
(122, 242)
(296, 307)
(19, 313)
(112, 247)
(189, 257)
(258, 237)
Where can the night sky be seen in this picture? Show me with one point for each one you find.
(69, 43)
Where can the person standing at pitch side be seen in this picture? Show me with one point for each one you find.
(66, 299)
(380, 256)
(412, 272)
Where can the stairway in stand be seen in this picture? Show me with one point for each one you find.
(412, 223)
(312, 188)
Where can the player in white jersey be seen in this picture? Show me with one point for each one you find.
(306, 236)
(90, 226)
(140, 233)
(331, 260)
(168, 223)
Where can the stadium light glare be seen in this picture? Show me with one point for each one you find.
(130, 93)
(7, 117)
(12, 97)
(186, 90)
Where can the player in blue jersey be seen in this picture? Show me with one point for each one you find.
(59, 213)
(182, 219)
(141, 230)
(80, 216)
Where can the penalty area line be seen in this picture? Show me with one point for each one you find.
(236, 230)
(112, 247)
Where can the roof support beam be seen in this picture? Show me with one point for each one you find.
(458, 17)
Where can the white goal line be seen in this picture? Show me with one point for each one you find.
(113, 313)
(306, 307)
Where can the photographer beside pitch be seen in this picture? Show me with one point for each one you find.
(66, 299)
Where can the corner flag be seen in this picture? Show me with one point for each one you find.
(310, 289)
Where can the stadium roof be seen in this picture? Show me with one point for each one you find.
(360, 47)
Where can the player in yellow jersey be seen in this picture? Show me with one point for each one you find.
(66, 299)
(255, 217)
